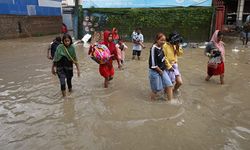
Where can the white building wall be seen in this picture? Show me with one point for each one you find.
(71, 2)
(49, 3)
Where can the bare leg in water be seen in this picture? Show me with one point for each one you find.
(208, 77)
(153, 96)
(110, 78)
(169, 92)
(222, 79)
(64, 93)
(106, 82)
(178, 83)
(247, 37)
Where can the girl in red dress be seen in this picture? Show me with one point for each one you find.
(107, 70)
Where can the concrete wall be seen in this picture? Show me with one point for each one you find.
(12, 26)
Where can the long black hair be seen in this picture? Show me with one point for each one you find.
(58, 39)
(67, 36)
(174, 38)
(219, 34)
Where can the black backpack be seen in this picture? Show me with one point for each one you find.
(246, 27)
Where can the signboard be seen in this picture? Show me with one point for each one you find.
(144, 3)
(68, 2)
(50, 3)
(31, 10)
(71, 3)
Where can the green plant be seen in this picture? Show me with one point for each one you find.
(192, 22)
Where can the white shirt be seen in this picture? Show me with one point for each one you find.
(139, 38)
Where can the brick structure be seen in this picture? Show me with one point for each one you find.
(13, 26)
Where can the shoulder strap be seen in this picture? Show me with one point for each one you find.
(66, 50)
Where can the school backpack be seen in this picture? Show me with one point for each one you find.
(100, 53)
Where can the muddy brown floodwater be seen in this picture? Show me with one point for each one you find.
(33, 114)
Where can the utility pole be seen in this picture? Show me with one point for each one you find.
(240, 9)
(75, 26)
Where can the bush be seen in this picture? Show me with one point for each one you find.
(193, 23)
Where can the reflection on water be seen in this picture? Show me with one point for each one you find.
(68, 111)
(34, 115)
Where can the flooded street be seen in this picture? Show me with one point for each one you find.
(33, 114)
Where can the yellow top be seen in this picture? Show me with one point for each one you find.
(171, 54)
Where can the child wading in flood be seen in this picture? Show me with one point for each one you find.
(115, 34)
(65, 57)
(107, 70)
(121, 47)
(172, 50)
(158, 76)
(137, 39)
(52, 47)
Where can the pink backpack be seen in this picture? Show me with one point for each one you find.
(100, 53)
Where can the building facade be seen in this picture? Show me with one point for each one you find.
(230, 14)
(237, 11)
(22, 18)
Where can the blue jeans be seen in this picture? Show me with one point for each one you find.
(159, 82)
(246, 37)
